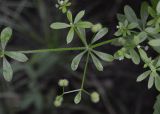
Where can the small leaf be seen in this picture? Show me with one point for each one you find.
(79, 16)
(7, 70)
(157, 104)
(77, 98)
(141, 37)
(84, 24)
(157, 83)
(69, 16)
(151, 80)
(59, 25)
(143, 76)
(151, 11)
(121, 17)
(100, 34)
(158, 62)
(76, 61)
(104, 56)
(70, 35)
(5, 36)
(155, 42)
(144, 13)
(158, 7)
(135, 57)
(17, 56)
(97, 62)
(130, 14)
(132, 25)
(143, 55)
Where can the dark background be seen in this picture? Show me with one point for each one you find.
(34, 85)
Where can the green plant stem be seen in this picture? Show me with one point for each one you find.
(103, 43)
(53, 50)
(85, 70)
(71, 91)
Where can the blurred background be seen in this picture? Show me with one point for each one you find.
(34, 85)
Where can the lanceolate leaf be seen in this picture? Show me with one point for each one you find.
(79, 16)
(70, 35)
(134, 55)
(151, 80)
(144, 13)
(157, 106)
(130, 14)
(77, 98)
(140, 38)
(7, 70)
(157, 83)
(17, 56)
(84, 24)
(158, 7)
(69, 16)
(82, 33)
(104, 56)
(97, 63)
(76, 61)
(143, 76)
(100, 34)
(59, 25)
(143, 55)
(5, 36)
(155, 42)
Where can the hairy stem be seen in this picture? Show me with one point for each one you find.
(53, 50)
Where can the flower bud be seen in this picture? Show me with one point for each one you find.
(95, 97)
(63, 83)
(96, 27)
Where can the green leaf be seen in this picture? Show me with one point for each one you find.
(130, 14)
(70, 35)
(76, 61)
(151, 11)
(143, 55)
(5, 36)
(154, 3)
(158, 62)
(69, 16)
(141, 37)
(157, 106)
(59, 25)
(158, 7)
(132, 25)
(79, 16)
(151, 80)
(135, 57)
(97, 62)
(84, 24)
(17, 56)
(155, 42)
(100, 34)
(77, 98)
(7, 70)
(157, 82)
(121, 17)
(151, 30)
(82, 33)
(143, 76)
(104, 56)
(144, 13)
